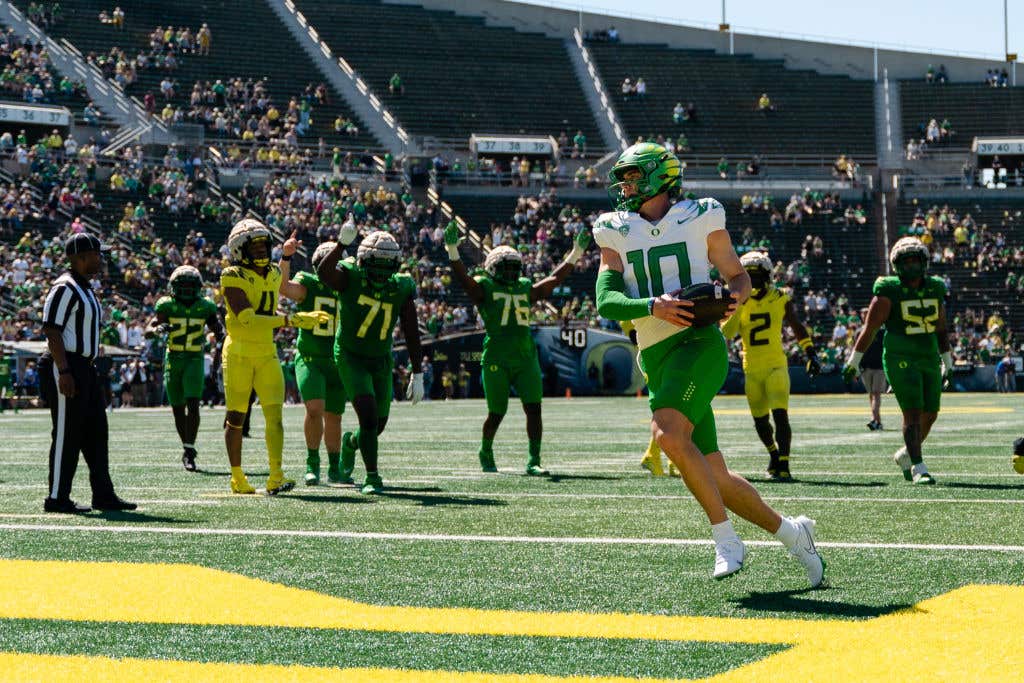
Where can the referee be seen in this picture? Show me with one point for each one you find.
(70, 384)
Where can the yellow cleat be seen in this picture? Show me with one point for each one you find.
(672, 471)
(241, 486)
(652, 463)
(1018, 464)
(279, 484)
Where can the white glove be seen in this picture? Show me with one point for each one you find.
(414, 392)
(348, 232)
(947, 363)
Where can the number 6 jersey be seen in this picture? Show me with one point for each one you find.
(910, 329)
(662, 257)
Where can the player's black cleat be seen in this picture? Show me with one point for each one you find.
(66, 506)
(188, 459)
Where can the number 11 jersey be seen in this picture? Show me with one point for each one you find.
(661, 257)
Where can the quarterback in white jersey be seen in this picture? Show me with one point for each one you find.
(651, 246)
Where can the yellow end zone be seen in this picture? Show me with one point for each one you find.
(962, 634)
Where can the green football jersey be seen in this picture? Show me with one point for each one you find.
(6, 372)
(319, 341)
(187, 322)
(505, 310)
(368, 316)
(910, 329)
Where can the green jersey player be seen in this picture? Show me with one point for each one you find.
(316, 373)
(374, 297)
(503, 297)
(653, 244)
(915, 354)
(6, 381)
(182, 317)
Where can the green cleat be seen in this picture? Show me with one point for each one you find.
(348, 459)
(312, 471)
(373, 484)
(923, 479)
(533, 468)
(487, 462)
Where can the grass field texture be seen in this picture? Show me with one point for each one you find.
(451, 574)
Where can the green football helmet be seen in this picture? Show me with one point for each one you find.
(909, 258)
(186, 283)
(643, 171)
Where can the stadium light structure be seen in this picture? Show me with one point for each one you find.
(1011, 57)
(725, 28)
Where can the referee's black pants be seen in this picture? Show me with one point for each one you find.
(79, 426)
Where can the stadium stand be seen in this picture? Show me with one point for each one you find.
(815, 115)
(276, 59)
(972, 108)
(459, 76)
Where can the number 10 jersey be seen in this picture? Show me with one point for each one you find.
(662, 257)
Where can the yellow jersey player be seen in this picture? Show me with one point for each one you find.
(250, 286)
(758, 322)
(651, 459)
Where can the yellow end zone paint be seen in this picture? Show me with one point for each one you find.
(962, 634)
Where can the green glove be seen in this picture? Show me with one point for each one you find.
(850, 372)
(452, 238)
(579, 245)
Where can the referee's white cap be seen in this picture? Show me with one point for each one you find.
(83, 242)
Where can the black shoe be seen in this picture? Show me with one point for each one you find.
(66, 506)
(188, 459)
(114, 504)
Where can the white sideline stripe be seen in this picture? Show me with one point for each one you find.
(454, 538)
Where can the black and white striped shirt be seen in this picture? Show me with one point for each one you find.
(72, 307)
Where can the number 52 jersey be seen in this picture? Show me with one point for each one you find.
(910, 329)
(662, 257)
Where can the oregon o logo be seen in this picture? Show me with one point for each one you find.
(903, 365)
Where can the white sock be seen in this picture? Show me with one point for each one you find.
(788, 532)
(189, 445)
(919, 468)
(723, 532)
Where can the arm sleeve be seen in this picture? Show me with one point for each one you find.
(612, 302)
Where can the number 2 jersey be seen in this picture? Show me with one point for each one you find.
(505, 310)
(261, 291)
(910, 329)
(319, 341)
(759, 324)
(369, 315)
(663, 257)
(185, 337)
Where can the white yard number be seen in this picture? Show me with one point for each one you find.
(923, 321)
(521, 304)
(375, 307)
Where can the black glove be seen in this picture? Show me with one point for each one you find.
(813, 364)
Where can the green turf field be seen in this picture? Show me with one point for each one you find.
(452, 574)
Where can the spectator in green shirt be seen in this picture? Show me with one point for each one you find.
(395, 85)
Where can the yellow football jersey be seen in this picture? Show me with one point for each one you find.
(759, 324)
(262, 294)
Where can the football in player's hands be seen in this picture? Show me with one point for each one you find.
(710, 302)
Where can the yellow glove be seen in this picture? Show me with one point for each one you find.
(307, 320)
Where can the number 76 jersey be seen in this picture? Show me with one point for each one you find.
(505, 310)
(661, 257)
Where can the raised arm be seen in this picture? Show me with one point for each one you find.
(452, 239)
(328, 271)
(544, 288)
(289, 288)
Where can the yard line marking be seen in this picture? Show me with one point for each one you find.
(466, 538)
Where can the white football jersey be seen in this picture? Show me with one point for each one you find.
(662, 257)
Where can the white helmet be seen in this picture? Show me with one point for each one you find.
(756, 259)
(504, 264)
(321, 253)
(904, 247)
(379, 256)
(245, 232)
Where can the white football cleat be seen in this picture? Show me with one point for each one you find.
(902, 460)
(729, 558)
(806, 553)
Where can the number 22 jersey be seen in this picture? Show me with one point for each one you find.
(185, 337)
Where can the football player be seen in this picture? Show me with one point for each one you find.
(250, 286)
(182, 316)
(374, 297)
(651, 459)
(6, 381)
(315, 370)
(653, 244)
(758, 322)
(503, 298)
(915, 355)
(1018, 455)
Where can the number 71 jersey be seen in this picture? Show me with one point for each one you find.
(661, 257)
(368, 315)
